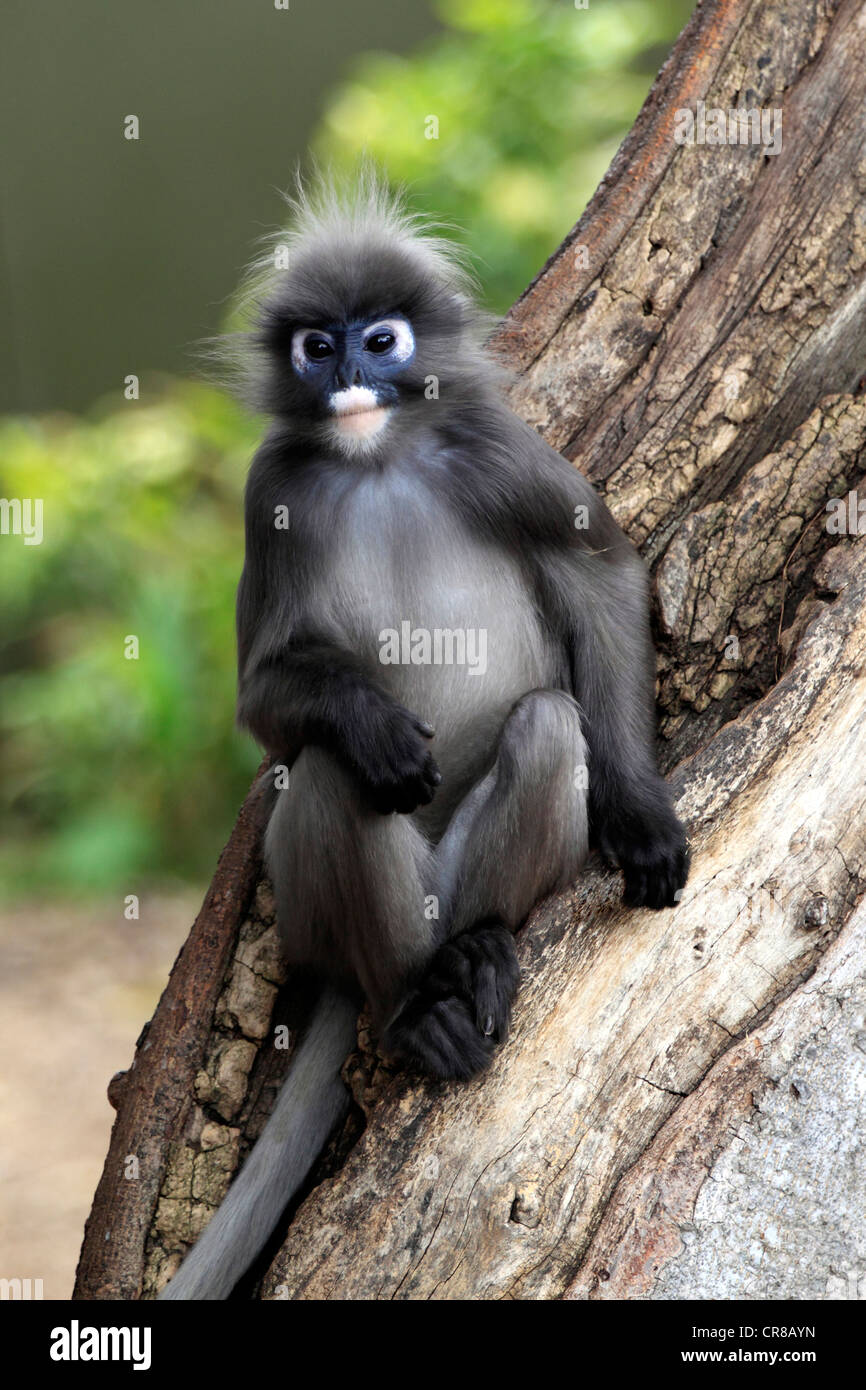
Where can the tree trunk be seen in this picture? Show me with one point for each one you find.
(674, 1113)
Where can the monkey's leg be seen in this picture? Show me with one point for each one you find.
(518, 835)
(350, 884)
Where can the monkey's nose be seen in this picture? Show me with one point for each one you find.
(349, 374)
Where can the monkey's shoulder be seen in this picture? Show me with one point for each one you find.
(507, 480)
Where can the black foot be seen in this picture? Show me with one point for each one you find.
(451, 1023)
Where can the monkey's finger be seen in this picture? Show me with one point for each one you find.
(413, 792)
(407, 800)
(655, 887)
(486, 998)
(431, 773)
(636, 887)
(425, 792)
(496, 977)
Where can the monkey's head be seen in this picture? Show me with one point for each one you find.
(368, 323)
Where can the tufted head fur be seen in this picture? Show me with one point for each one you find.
(353, 254)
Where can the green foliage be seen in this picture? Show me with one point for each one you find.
(117, 772)
(113, 768)
(532, 98)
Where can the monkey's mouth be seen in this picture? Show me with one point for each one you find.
(358, 411)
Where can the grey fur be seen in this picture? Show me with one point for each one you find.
(521, 832)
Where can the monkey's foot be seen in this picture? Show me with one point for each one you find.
(461, 1009)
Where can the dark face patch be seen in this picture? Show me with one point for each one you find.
(374, 353)
(318, 327)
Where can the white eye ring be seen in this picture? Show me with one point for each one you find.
(300, 361)
(404, 338)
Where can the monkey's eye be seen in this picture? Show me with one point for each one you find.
(390, 336)
(309, 346)
(380, 342)
(317, 349)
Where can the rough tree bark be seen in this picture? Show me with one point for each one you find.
(675, 1112)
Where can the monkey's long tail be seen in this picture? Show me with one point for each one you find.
(312, 1100)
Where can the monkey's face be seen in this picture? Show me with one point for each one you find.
(362, 334)
(353, 370)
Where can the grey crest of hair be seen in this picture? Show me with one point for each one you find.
(432, 801)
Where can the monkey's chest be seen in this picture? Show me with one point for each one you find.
(449, 629)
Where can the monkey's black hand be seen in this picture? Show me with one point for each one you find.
(652, 852)
(392, 759)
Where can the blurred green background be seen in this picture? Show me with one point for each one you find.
(119, 774)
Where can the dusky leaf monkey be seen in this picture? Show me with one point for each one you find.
(431, 802)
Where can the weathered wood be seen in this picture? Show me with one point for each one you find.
(696, 346)
(776, 1211)
(154, 1098)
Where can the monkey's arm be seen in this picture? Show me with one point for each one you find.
(632, 819)
(594, 589)
(310, 692)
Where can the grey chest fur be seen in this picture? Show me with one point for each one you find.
(444, 620)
